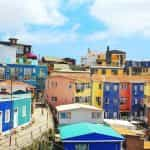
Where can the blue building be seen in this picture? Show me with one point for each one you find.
(137, 107)
(31, 74)
(88, 136)
(5, 114)
(111, 100)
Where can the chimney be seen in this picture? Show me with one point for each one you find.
(13, 41)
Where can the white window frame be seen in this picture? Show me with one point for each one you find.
(24, 111)
(7, 115)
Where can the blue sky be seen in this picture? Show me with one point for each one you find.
(66, 28)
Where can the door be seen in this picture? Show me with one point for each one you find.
(15, 118)
(1, 122)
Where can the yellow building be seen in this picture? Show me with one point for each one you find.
(97, 94)
(107, 70)
(147, 93)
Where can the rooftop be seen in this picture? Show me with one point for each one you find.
(74, 130)
(76, 106)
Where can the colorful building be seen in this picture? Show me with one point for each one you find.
(111, 100)
(68, 88)
(6, 114)
(90, 136)
(125, 98)
(107, 70)
(75, 113)
(137, 108)
(31, 74)
(21, 109)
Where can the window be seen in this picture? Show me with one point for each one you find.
(115, 87)
(124, 86)
(23, 111)
(27, 73)
(54, 99)
(115, 101)
(70, 86)
(115, 114)
(7, 115)
(96, 115)
(107, 101)
(103, 71)
(98, 100)
(114, 71)
(107, 87)
(82, 147)
(53, 84)
(123, 100)
(141, 88)
(106, 114)
(65, 115)
(100, 86)
(135, 87)
(136, 101)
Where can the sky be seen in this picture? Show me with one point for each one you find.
(67, 28)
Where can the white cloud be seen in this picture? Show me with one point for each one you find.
(75, 27)
(44, 37)
(96, 36)
(16, 14)
(123, 17)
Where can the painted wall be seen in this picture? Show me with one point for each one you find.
(6, 105)
(78, 115)
(62, 88)
(19, 104)
(112, 96)
(97, 91)
(137, 98)
(125, 92)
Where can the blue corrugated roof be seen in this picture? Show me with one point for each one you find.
(74, 130)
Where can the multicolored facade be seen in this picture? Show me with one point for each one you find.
(15, 111)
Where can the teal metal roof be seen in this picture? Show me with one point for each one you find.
(74, 130)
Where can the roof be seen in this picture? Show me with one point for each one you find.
(146, 144)
(120, 123)
(16, 85)
(77, 106)
(53, 59)
(124, 131)
(117, 51)
(79, 129)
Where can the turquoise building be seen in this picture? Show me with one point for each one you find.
(21, 109)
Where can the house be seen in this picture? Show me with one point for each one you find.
(133, 67)
(31, 74)
(75, 113)
(137, 108)
(90, 136)
(6, 114)
(107, 70)
(21, 109)
(66, 88)
(111, 100)
(125, 97)
(23, 51)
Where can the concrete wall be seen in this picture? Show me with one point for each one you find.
(81, 115)
(8, 54)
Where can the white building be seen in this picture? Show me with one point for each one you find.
(75, 113)
(8, 54)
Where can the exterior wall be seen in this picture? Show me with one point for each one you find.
(86, 92)
(6, 105)
(8, 55)
(34, 75)
(59, 87)
(134, 143)
(78, 115)
(125, 92)
(97, 91)
(137, 99)
(112, 96)
(19, 104)
(95, 146)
